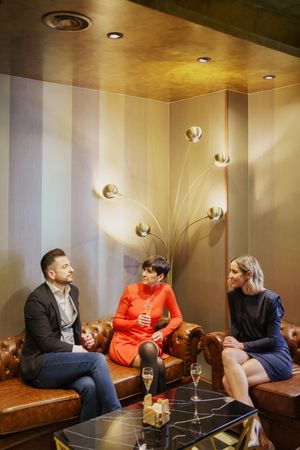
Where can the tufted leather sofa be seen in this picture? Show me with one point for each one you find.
(278, 402)
(28, 416)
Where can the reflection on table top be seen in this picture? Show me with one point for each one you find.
(190, 422)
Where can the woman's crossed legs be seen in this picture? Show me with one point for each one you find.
(240, 373)
(149, 357)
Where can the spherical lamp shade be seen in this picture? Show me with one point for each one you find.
(221, 159)
(215, 213)
(110, 191)
(142, 229)
(193, 134)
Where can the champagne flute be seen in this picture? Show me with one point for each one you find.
(147, 375)
(196, 418)
(195, 374)
(147, 308)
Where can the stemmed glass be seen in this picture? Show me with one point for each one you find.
(147, 308)
(196, 418)
(195, 374)
(147, 375)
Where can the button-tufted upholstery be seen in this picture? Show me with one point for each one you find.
(24, 408)
(278, 402)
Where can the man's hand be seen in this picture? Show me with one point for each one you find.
(87, 340)
(231, 342)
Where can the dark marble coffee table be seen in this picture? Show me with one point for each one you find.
(191, 422)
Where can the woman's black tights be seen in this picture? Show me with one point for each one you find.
(149, 358)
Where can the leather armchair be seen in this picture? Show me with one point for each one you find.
(278, 402)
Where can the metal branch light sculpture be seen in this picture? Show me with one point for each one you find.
(142, 229)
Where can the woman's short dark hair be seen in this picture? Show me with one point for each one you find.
(49, 259)
(158, 263)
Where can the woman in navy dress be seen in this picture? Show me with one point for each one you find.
(255, 352)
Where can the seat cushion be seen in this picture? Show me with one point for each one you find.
(23, 407)
(279, 397)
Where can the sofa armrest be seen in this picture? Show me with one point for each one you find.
(102, 331)
(10, 355)
(212, 345)
(291, 334)
(183, 343)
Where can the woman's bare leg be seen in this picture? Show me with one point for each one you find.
(227, 386)
(237, 381)
(240, 373)
(255, 372)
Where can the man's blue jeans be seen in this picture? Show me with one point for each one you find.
(86, 373)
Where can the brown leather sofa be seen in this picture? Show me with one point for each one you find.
(278, 402)
(28, 416)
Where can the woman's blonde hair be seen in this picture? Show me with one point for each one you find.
(255, 283)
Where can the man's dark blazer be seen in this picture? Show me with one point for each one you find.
(43, 329)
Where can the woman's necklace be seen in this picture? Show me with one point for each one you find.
(149, 302)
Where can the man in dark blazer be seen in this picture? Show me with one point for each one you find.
(55, 352)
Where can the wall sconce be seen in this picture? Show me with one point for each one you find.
(142, 229)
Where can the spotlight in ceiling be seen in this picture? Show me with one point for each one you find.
(115, 35)
(204, 59)
(269, 77)
(66, 21)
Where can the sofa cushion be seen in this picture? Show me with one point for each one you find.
(23, 407)
(281, 397)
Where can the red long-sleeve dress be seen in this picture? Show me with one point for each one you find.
(128, 335)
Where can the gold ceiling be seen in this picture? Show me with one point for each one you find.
(155, 59)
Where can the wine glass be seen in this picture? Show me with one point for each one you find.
(147, 375)
(147, 308)
(196, 418)
(195, 374)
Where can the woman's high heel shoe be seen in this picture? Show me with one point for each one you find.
(254, 443)
(261, 442)
(257, 441)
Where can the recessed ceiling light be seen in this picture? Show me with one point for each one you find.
(269, 77)
(66, 21)
(115, 35)
(204, 59)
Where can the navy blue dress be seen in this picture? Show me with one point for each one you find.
(256, 321)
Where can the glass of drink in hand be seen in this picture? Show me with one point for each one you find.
(147, 375)
(147, 308)
(195, 374)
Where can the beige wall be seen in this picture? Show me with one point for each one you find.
(274, 190)
(199, 264)
(238, 232)
(57, 145)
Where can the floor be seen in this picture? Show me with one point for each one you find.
(223, 441)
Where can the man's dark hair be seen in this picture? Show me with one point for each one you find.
(158, 263)
(49, 259)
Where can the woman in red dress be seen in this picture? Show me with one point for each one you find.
(135, 343)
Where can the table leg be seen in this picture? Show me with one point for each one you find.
(60, 445)
(212, 443)
(244, 438)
